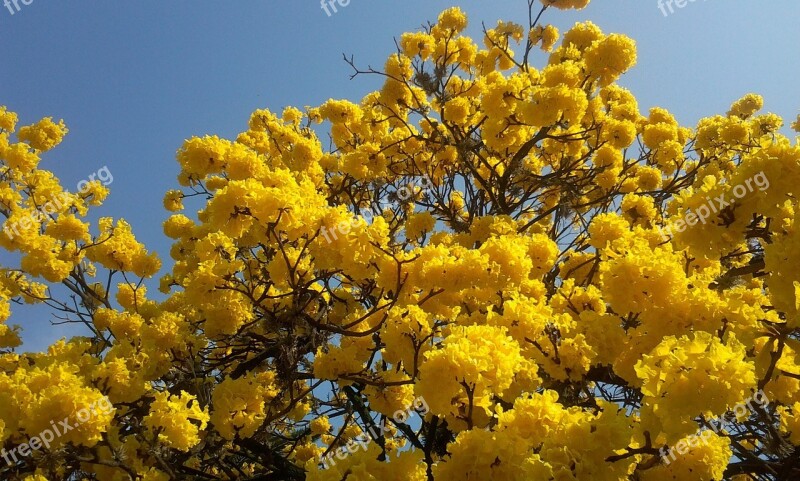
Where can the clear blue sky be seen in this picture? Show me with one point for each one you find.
(133, 79)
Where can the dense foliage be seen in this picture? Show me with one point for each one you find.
(492, 271)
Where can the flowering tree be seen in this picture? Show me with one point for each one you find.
(493, 272)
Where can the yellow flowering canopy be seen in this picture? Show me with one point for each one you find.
(484, 270)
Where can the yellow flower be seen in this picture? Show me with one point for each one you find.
(475, 362)
(544, 36)
(320, 425)
(43, 135)
(746, 106)
(452, 19)
(566, 4)
(677, 368)
(170, 420)
(419, 223)
(240, 405)
(8, 119)
(173, 200)
(790, 421)
(611, 57)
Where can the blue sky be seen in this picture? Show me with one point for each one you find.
(133, 79)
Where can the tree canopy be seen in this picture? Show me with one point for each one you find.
(484, 270)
